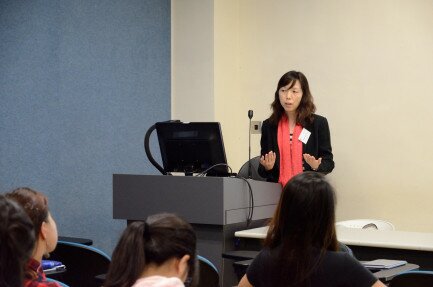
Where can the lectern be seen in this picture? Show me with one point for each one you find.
(215, 206)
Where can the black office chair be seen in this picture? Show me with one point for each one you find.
(208, 273)
(241, 260)
(413, 279)
(255, 162)
(82, 263)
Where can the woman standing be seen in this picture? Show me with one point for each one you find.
(301, 247)
(294, 139)
(35, 204)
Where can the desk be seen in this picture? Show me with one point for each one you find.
(255, 233)
(368, 244)
(385, 275)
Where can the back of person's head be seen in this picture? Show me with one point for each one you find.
(305, 212)
(34, 203)
(304, 221)
(159, 238)
(17, 239)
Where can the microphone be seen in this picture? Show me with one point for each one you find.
(250, 116)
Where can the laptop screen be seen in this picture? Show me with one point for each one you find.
(192, 147)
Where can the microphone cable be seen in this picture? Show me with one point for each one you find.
(251, 197)
(250, 202)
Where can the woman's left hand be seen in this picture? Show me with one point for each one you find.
(312, 161)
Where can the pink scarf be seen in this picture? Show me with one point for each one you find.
(290, 154)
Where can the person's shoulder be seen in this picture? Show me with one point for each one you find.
(319, 121)
(267, 121)
(338, 254)
(266, 125)
(269, 124)
(158, 281)
(319, 118)
(270, 253)
(339, 259)
(346, 269)
(264, 254)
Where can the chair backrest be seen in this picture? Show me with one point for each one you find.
(367, 224)
(208, 273)
(255, 161)
(413, 279)
(82, 263)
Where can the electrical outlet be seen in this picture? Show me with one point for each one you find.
(256, 127)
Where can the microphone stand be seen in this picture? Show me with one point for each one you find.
(250, 116)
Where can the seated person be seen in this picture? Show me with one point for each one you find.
(301, 244)
(161, 251)
(17, 238)
(35, 204)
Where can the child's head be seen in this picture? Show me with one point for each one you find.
(152, 243)
(35, 204)
(17, 239)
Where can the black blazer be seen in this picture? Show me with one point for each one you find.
(318, 145)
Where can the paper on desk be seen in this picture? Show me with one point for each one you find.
(383, 263)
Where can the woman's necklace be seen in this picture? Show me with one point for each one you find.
(291, 131)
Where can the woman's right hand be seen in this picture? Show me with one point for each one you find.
(268, 160)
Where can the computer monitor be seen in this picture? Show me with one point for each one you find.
(192, 147)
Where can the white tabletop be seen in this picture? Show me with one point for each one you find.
(258, 233)
(366, 237)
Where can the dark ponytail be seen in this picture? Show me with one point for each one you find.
(156, 240)
(127, 261)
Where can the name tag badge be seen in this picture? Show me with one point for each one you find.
(304, 136)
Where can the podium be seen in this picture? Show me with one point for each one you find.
(216, 207)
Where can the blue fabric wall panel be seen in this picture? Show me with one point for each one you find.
(80, 83)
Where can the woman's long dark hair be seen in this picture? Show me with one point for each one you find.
(35, 204)
(306, 106)
(17, 238)
(156, 240)
(304, 221)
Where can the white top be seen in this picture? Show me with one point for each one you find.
(158, 281)
(366, 237)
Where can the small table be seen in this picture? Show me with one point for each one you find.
(386, 275)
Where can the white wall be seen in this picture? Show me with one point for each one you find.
(369, 64)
